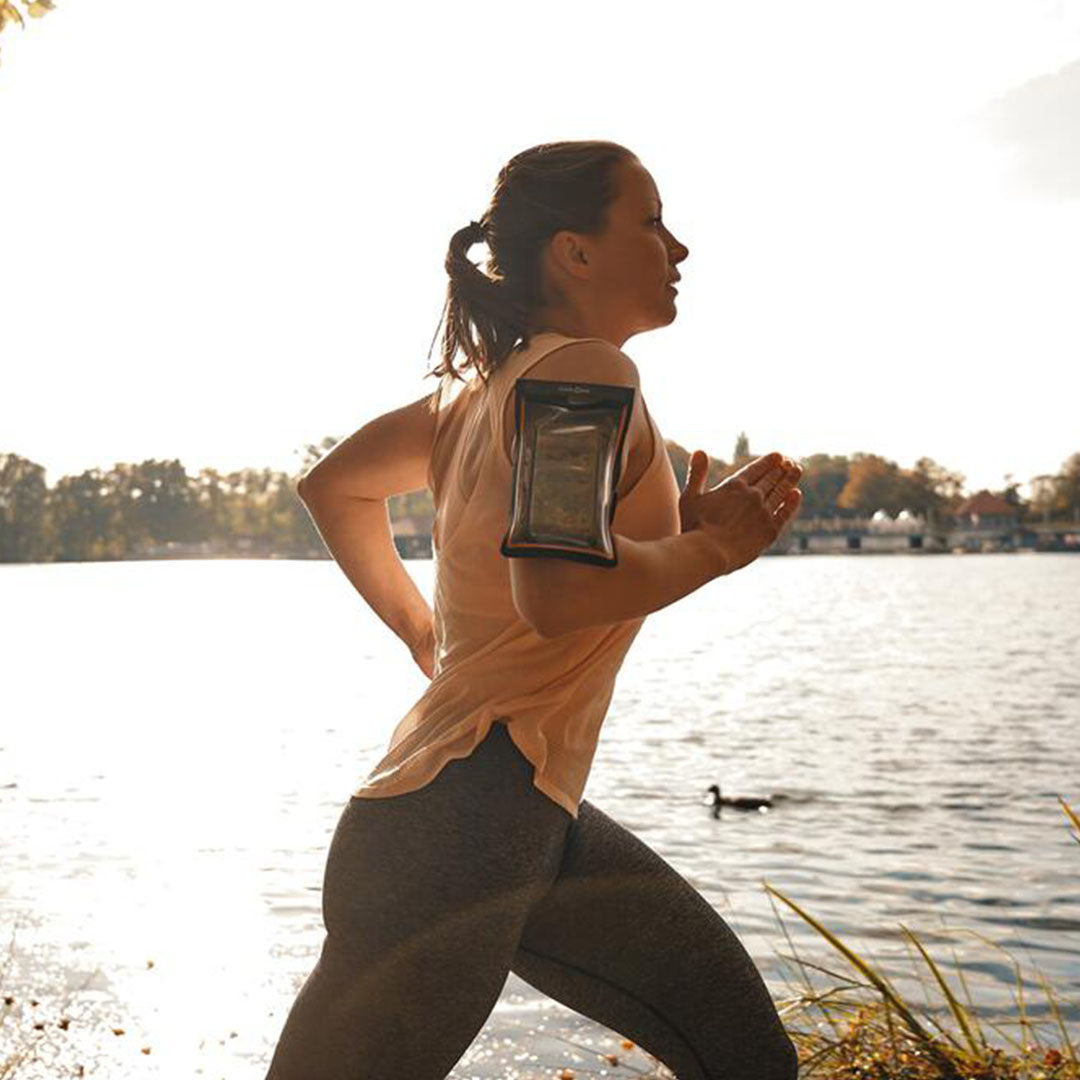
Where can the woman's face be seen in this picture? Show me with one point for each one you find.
(617, 283)
(632, 263)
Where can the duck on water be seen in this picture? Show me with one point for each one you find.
(740, 802)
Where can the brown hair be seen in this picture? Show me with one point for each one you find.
(542, 190)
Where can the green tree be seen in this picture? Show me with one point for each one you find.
(159, 501)
(1010, 492)
(742, 449)
(873, 484)
(248, 495)
(931, 490)
(290, 524)
(1043, 495)
(86, 519)
(824, 477)
(211, 504)
(23, 495)
(1056, 496)
(1068, 488)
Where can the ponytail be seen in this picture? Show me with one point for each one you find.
(554, 186)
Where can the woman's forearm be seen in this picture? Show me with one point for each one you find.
(357, 534)
(650, 574)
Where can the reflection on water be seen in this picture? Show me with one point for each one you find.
(177, 740)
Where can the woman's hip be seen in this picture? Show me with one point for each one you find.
(478, 833)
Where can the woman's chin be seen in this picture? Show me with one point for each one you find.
(663, 315)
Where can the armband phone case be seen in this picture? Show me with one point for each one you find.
(566, 463)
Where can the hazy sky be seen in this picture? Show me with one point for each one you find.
(224, 224)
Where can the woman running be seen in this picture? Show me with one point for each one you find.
(468, 851)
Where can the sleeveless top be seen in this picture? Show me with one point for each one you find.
(490, 665)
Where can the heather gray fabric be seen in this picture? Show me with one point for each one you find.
(431, 897)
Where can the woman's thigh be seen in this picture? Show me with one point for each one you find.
(623, 938)
(424, 898)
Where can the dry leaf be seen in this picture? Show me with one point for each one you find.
(37, 8)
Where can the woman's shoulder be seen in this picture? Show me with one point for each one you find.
(558, 357)
(587, 360)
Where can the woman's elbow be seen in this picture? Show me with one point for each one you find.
(310, 487)
(304, 480)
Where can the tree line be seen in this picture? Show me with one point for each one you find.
(133, 510)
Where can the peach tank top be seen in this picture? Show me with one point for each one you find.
(490, 665)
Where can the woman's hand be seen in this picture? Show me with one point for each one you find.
(744, 513)
(423, 651)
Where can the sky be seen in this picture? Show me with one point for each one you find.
(224, 224)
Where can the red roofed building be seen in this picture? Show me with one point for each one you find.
(986, 511)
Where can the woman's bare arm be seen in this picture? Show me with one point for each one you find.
(357, 534)
(346, 495)
(557, 595)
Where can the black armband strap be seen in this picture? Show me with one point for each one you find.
(567, 457)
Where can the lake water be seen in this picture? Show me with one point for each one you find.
(178, 739)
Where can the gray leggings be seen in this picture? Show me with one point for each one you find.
(431, 897)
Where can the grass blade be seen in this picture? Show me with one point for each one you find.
(1072, 816)
(958, 1010)
(1057, 1016)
